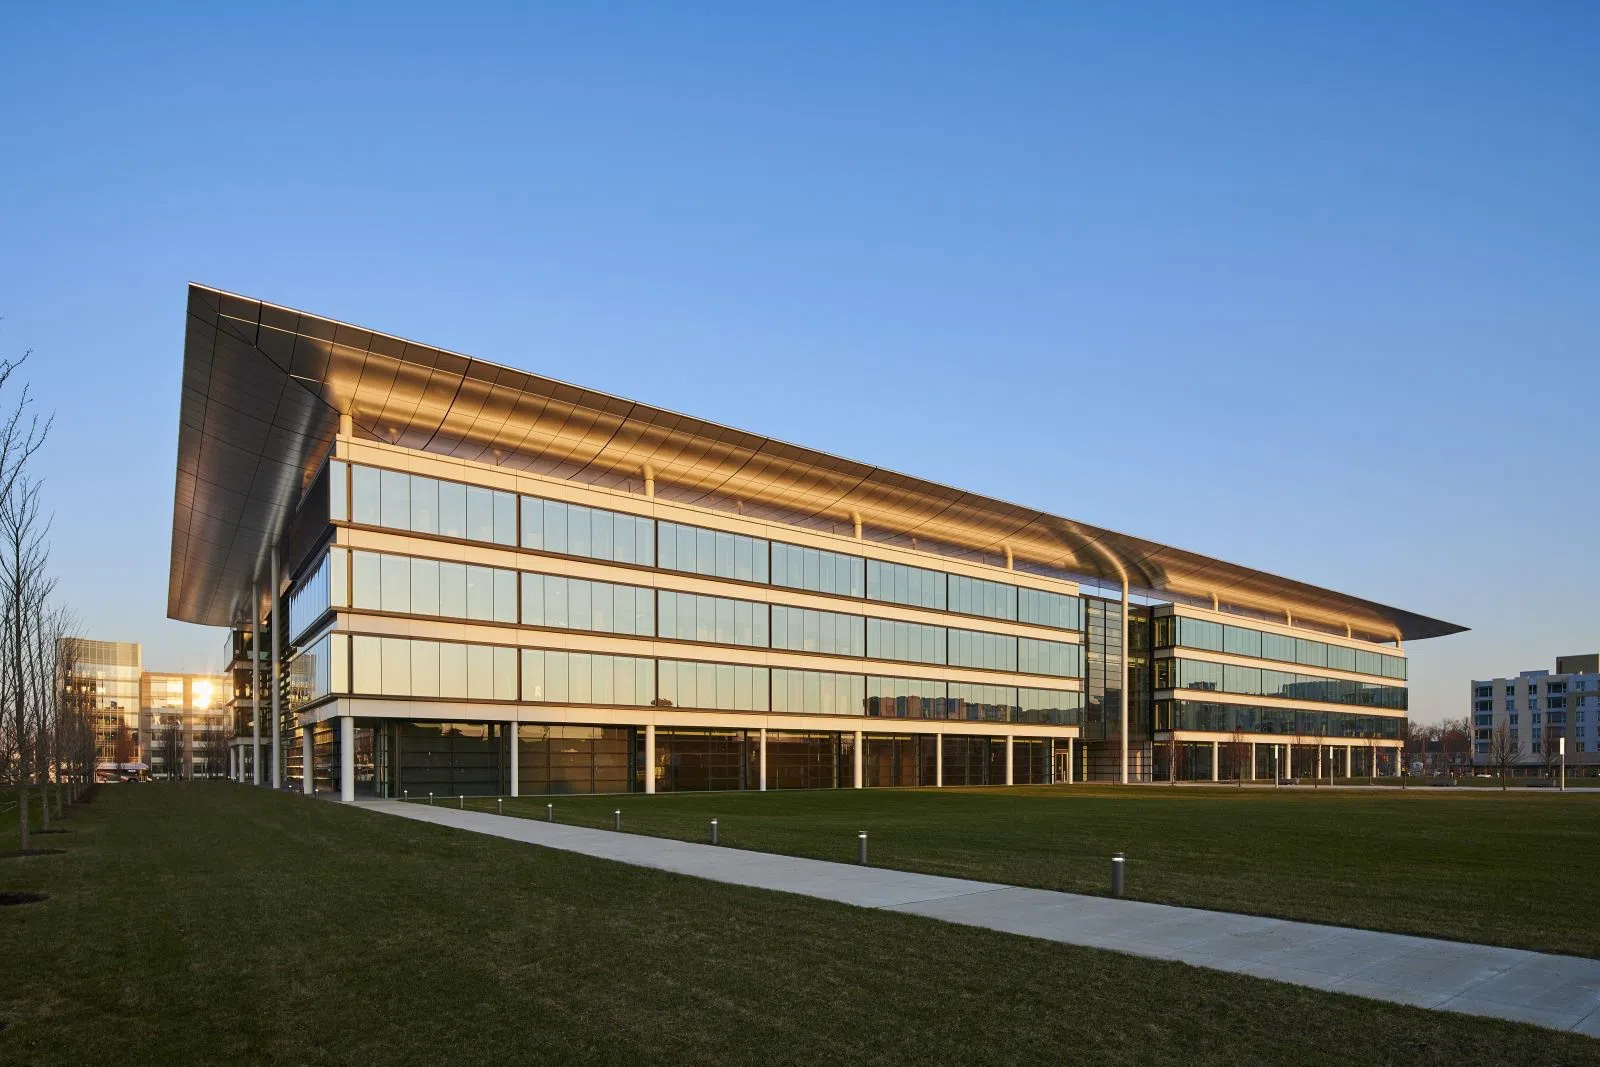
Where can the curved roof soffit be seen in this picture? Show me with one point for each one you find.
(263, 387)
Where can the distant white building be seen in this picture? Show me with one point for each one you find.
(1540, 708)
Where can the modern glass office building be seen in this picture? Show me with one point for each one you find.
(447, 576)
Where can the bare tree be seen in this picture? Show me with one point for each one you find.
(1503, 750)
(1550, 749)
(25, 589)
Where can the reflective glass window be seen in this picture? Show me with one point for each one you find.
(818, 570)
(712, 552)
(1062, 707)
(977, 596)
(808, 630)
(975, 648)
(1241, 641)
(1049, 657)
(713, 686)
(817, 692)
(910, 641)
(1199, 633)
(364, 496)
(906, 698)
(425, 505)
(983, 703)
(1278, 647)
(338, 491)
(1044, 608)
(896, 583)
(1310, 653)
(715, 620)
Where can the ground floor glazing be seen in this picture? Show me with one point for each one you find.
(411, 759)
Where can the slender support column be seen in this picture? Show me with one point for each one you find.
(308, 783)
(1250, 773)
(1072, 757)
(938, 761)
(1123, 673)
(255, 686)
(347, 758)
(1010, 774)
(277, 724)
(858, 754)
(1216, 751)
(650, 758)
(763, 760)
(1349, 761)
(515, 769)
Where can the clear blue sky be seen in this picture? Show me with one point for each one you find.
(1311, 288)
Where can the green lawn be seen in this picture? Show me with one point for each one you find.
(1516, 869)
(221, 923)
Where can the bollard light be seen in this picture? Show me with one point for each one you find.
(499, 806)
(430, 800)
(549, 813)
(1118, 880)
(405, 794)
(616, 819)
(861, 847)
(713, 831)
(463, 802)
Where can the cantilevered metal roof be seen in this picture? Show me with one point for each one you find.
(263, 387)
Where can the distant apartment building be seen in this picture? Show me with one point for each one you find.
(105, 677)
(1539, 709)
(184, 724)
(149, 722)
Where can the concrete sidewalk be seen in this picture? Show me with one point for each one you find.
(1560, 992)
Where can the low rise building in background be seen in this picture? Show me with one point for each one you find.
(1531, 714)
(148, 723)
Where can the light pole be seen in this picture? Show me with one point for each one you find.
(1563, 764)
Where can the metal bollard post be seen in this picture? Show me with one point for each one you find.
(1117, 875)
(861, 848)
(713, 831)
(430, 800)
(549, 813)
(462, 802)
(405, 794)
(616, 819)
(499, 805)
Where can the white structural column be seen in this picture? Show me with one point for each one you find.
(1349, 761)
(763, 760)
(860, 739)
(1216, 752)
(1010, 774)
(515, 771)
(308, 783)
(277, 725)
(938, 761)
(347, 758)
(650, 758)
(1071, 760)
(1250, 771)
(255, 685)
(1123, 674)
